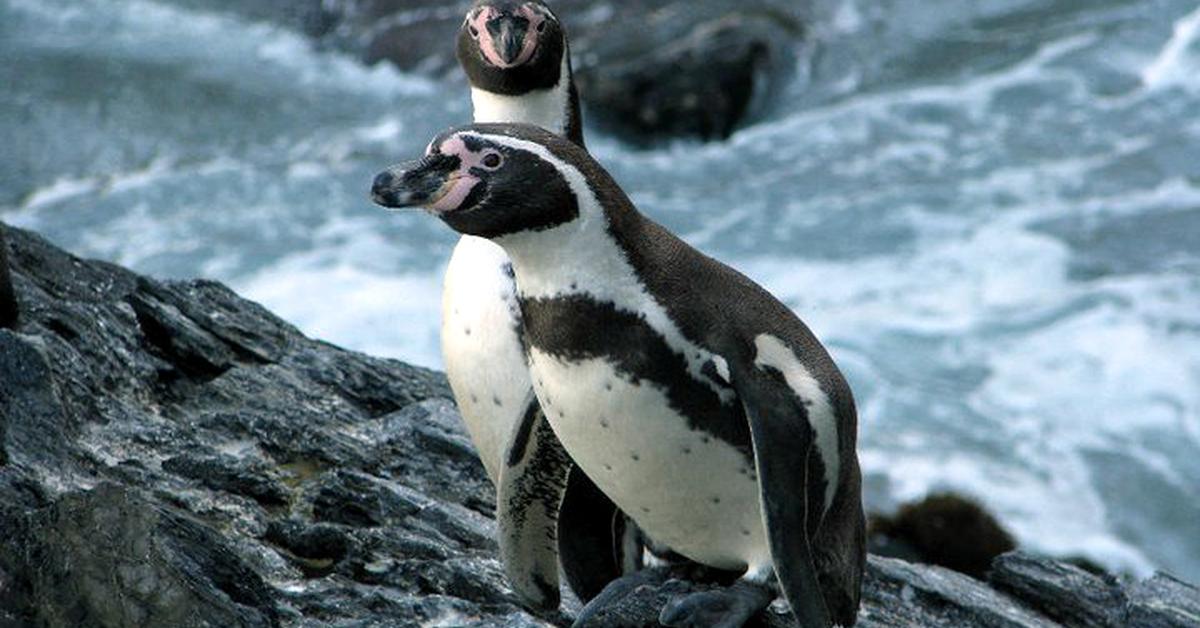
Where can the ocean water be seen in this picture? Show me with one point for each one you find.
(990, 214)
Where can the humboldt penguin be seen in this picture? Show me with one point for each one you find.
(694, 399)
(517, 59)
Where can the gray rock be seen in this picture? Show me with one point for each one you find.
(107, 557)
(1163, 602)
(1062, 592)
(174, 455)
(8, 300)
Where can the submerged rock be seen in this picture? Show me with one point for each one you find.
(172, 454)
(943, 529)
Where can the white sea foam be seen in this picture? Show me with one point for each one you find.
(1175, 65)
(391, 315)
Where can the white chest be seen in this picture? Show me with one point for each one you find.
(544, 108)
(484, 358)
(685, 488)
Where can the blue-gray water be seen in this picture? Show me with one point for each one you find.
(990, 213)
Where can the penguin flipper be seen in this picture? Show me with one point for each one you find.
(596, 542)
(783, 442)
(530, 489)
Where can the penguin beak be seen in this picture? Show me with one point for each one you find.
(415, 183)
(508, 37)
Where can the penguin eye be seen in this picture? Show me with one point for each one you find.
(491, 161)
(474, 31)
(541, 27)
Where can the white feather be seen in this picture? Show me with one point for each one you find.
(773, 353)
(546, 108)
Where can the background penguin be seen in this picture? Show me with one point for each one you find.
(694, 399)
(517, 59)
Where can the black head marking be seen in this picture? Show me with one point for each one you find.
(487, 181)
(511, 47)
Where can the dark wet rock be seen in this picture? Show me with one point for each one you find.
(361, 500)
(647, 69)
(9, 310)
(230, 474)
(1163, 602)
(171, 454)
(1061, 591)
(107, 557)
(944, 529)
(687, 69)
(263, 478)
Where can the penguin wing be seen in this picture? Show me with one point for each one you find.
(530, 489)
(783, 444)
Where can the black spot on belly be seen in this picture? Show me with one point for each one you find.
(496, 400)
(745, 532)
(474, 399)
(716, 500)
(635, 457)
(577, 327)
(687, 450)
(467, 331)
(604, 423)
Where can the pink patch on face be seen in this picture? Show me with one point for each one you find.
(460, 189)
(487, 44)
(460, 183)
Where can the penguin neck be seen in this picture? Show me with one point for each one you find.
(555, 109)
(584, 256)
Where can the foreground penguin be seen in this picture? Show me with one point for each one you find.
(694, 399)
(516, 56)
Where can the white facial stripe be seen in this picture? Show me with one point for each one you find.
(773, 353)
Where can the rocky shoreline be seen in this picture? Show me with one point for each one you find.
(172, 454)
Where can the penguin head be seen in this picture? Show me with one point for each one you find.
(487, 180)
(511, 47)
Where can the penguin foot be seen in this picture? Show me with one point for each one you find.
(615, 591)
(731, 607)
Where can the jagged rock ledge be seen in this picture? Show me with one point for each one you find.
(174, 455)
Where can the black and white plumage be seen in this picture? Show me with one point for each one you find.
(517, 59)
(694, 399)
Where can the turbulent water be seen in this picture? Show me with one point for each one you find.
(990, 213)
